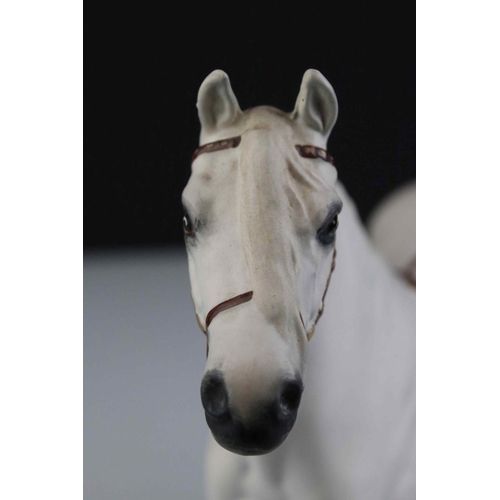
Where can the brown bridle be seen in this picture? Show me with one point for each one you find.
(306, 152)
(310, 333)
(233, 142)
(211, 147)
(223, 306)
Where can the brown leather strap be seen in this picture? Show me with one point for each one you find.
(314, 152)
(216, 146)
(310, 333)
(227, 304)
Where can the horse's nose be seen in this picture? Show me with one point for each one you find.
(214, 395)
(264, 431)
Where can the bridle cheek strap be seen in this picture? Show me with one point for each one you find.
(310, 333)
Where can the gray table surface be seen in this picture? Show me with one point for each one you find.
(144, 428)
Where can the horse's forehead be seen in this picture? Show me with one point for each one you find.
(266, 117)
(264, 162)
(276, 124)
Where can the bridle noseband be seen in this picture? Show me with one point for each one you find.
(227, 304)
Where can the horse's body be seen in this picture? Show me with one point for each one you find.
(354, 437)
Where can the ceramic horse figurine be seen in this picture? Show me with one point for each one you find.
(268, 231)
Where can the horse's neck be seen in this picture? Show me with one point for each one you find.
(366, 294)
(363, 352)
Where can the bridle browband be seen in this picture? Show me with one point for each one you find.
(211, 147)
(314, 152)
(233, 142)
(305, 152)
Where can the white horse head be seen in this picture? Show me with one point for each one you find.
(261, 213)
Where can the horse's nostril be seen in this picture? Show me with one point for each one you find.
(289, 399)
(214, 394)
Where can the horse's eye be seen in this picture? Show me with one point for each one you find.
(333, 225)
(326, 233)
(188, 225)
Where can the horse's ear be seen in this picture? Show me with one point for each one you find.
(217, 104)
(316, 104)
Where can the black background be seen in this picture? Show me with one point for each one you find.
(143, 68)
